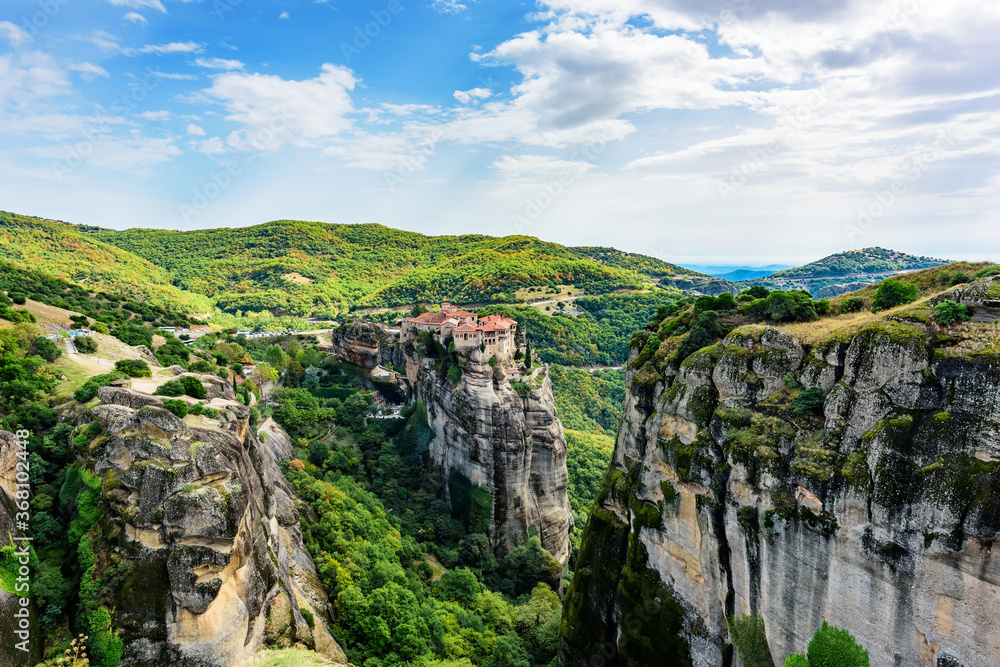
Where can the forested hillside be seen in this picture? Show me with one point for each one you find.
(306, 268)
(65, 251)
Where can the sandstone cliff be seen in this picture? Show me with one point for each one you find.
(486, 433)
(878, 513)
(203, 524)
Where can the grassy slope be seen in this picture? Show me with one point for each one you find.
(930, 283)
(63, 251)
(304, 266)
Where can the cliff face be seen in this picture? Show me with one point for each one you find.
(209, 532)
(878, 513)
(485, 434)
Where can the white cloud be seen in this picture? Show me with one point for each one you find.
(155, 115)
(135, 17)
(140, 4)
(540, 167)
(218, 63)
(166, 49)
(466, 96)
(283, 15)
(14, 35)
(173, 75)
(195, 130)
(104, 41)
(273, 111)
(449, 6)
(213, 146)
(88, 70)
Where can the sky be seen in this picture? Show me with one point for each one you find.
(697, 131)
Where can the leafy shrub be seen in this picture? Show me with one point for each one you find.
(455, 374)
(701, 335)
(988, 271)
(17, 298)
(188, 385)
(809, 401)
(892, 293)
(89, 390)
(200, 367)
(46, 349)
(170, 388)
(796, 660)
(852, 304)
(833, 647)
(949, 312)
(99, 327)
(960, 278)
(133, 368)
(308, 616)
(794, 306)
(85, 344)
(755, 292)
(178, 407)
(133, 334)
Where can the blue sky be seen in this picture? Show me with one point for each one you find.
(713, 131)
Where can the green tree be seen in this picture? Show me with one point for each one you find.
(85, 344)
(46, 349)
(949, 312)
(892, 293)
(834, 647)
(133, 368)
(808, 401)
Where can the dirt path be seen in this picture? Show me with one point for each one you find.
(94, 365)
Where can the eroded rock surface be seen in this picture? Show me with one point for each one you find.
(486, 433)
(208, 525)
(878, 513)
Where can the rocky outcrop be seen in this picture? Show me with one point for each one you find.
(127, 397)
(11, 611)
(487, 435)
(509, 443)
(206, 525)
(877, 512)
(982, 298)
(366, 345)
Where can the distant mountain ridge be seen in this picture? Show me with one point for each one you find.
(316, 269)
(844, 271)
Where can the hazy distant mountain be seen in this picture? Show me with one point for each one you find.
(727, 271)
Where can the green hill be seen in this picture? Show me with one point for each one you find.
(68, 252)
(844, 271)
(864, 261)
(304, 268)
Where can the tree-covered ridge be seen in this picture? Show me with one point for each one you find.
(317, 268)
(110, 309)
(641, 264)
(64, 251)
(866, 260)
